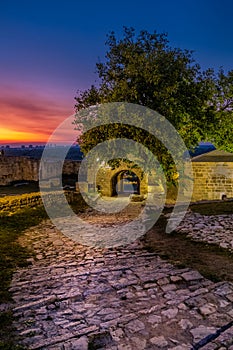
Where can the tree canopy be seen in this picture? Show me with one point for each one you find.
(144, 69)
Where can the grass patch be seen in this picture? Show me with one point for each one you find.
(214, 208)
(6, 333)
(212, 261)
(12, 256)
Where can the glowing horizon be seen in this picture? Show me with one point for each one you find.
(14, 136)
(29, 117)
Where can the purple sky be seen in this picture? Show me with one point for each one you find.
(49, 50)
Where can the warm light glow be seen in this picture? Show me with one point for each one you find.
(30, 117)
(9, 135)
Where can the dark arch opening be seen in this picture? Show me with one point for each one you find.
(125, 182)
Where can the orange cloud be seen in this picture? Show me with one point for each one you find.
(12, 136)
(28, 117)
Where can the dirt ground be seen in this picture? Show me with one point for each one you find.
(212, 261)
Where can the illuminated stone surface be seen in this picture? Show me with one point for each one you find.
(72, 296)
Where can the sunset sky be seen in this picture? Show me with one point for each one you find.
(48, 51)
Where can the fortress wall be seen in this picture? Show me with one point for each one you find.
(27, 169)
(18, 168)
(71, 167)
(212, 180)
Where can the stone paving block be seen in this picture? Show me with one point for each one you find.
(159, 341)
(191, 276)
(135, 297)
(201, 332)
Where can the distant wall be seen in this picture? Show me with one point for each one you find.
(18, 168)
(27, 169)
(71, 167)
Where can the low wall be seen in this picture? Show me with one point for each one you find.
(14, 203)
(10, 204)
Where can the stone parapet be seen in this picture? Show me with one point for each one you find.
(28, 169)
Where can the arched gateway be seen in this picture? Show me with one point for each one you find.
(126, 179)
(125, 182)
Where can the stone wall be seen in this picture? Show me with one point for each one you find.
(27, 169)
(105, 176)
(52, 168)
(71, 167)
(104, 179)
(212, 180)
(18, 168)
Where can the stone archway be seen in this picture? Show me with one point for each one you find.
(126, 178)
(125, 182)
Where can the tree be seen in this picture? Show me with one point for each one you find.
(143, 69)
(221, 111)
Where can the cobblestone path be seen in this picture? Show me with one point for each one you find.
(75, 297)
(213, 229)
